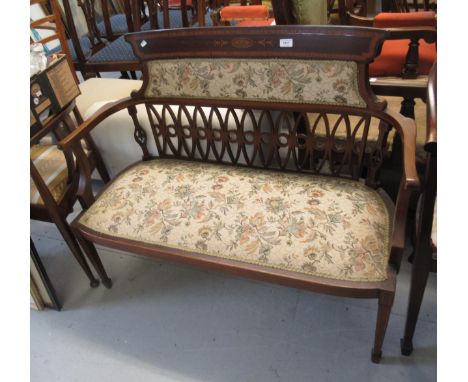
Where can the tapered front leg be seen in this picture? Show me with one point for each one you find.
(90, 251)
(70, 239)
(383, 315)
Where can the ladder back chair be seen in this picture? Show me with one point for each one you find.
(51, 23)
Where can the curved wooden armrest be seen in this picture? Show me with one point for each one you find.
(101, 114)
(409, 182)
(428, 34)
(359, 21)
(408, 137)
(431, 133)
(52, 123)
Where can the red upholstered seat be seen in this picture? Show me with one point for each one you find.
(239, 12)
(401, 20)
(392, 59)
(255, 23)
(176, 3)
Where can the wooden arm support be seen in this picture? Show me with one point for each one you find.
(409, 183)
(431, 133)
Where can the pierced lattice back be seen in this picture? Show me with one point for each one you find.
(339, 144)
(290, 98)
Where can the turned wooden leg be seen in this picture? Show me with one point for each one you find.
(70, 239)
(90, 251)
(407, 107)
(383, 315)
(419, 276)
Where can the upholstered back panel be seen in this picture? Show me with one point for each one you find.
(294, 98)
(293, 81)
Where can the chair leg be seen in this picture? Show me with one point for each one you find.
(383, 315)
(70, 239)
(419, 276)
(407, 107)
(90, 251)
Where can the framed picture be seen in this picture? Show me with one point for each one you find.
(41, 289)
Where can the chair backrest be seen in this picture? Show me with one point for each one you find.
(242, 14)
(166, 14)
(286, 14)
(95, 41)
(51, 23)
(224, 3)
(96, 11)
(412, 5)
(286, 97)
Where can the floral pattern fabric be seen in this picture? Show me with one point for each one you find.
(317, 225)
(282, 80)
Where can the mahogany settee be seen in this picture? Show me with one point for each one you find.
(258, 160)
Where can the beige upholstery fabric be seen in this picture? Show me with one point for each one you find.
(104, 89)
(51, 165)
(296, 81)
(315, 225)
(310, 12)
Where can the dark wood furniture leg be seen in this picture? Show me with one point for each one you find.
(90, 251)
(383, 315)
(419, 276)
(67, 234)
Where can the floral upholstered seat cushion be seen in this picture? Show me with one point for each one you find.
(317, 225)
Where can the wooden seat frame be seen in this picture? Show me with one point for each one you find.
(358, 45)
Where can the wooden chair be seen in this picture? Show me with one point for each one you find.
(52, 25)
(54, 175)
(401, 70)
(54, 183)
(168, 14)
(287, 13)
(426, 221)
(243, 13)
(410, 50)
(408, 5)
(118, 55)
(82, 47)
(110, 23)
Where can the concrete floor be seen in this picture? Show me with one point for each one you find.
(170, 322)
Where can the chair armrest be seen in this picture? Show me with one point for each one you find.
(409, 183)
(239, 12)
(359, 21)
(431, 133)
(427, 34)
(414, 34)
(408, 137)
(94, 120)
